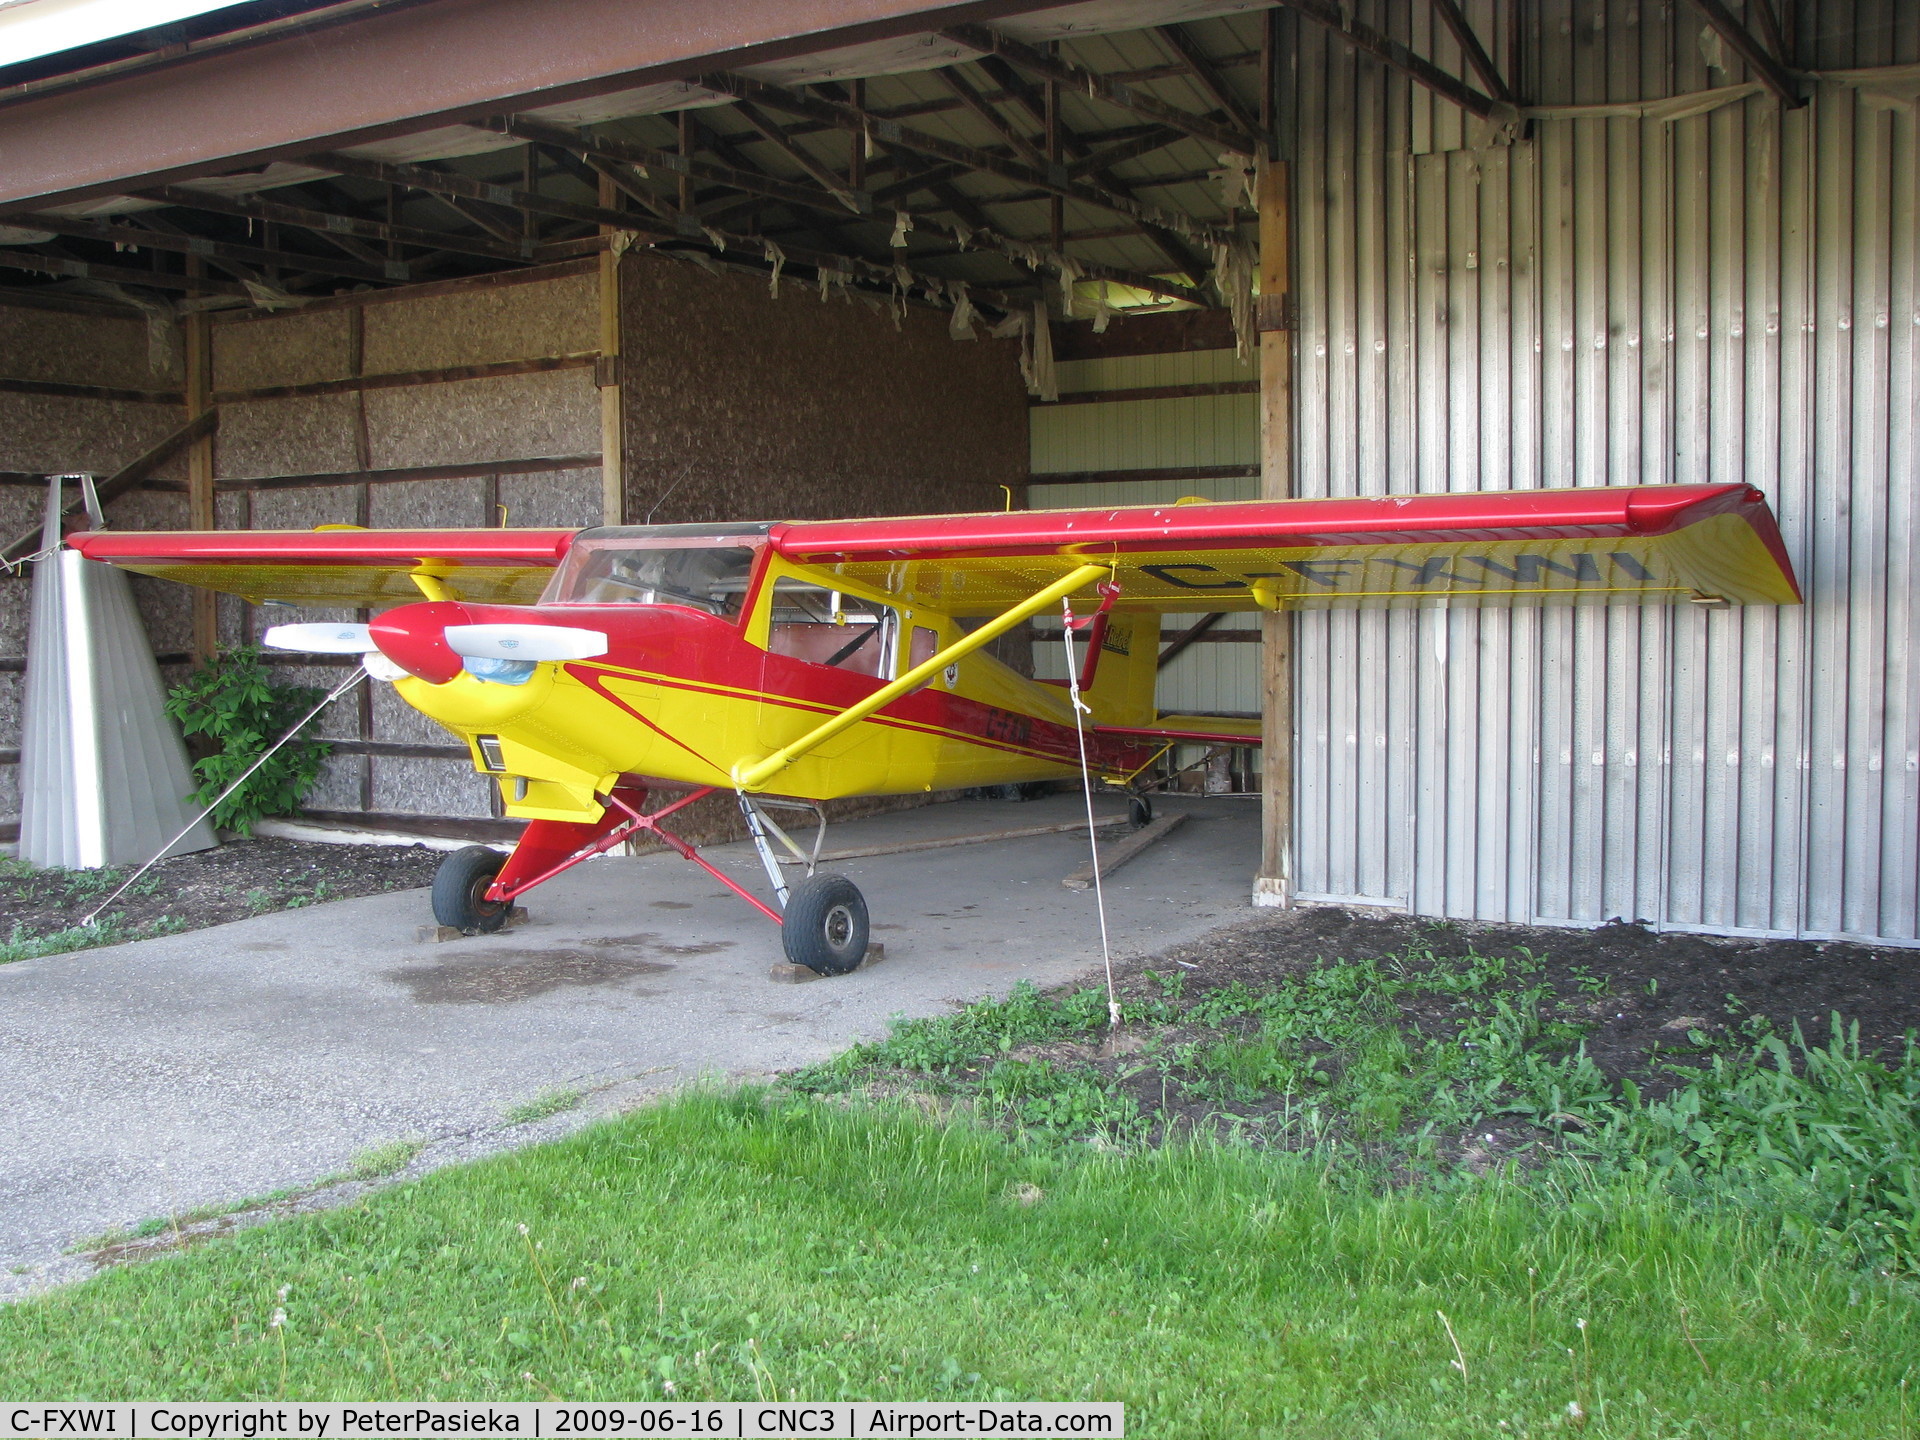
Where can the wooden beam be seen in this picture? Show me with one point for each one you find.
(825, 178)
(977, 103)
(1761, 12)
(1169, 332)
(1188, 636)
(1204, 74)
(1150, 392)
(1155, 137)
(1116, 855)
(331, 224)
(1765, 68)
(148, 238)
(613, 488)
(890, 132)
(666, 161)
(354, 384)
(200, 460)
(117, 274)
(1274, 885)
(126, 478)
(1470, 46)
(1382, 47)
(1169, 472)
(91, 392)
(535, 465)
(1091, 83)
(1170, 242)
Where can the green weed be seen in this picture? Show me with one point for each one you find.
(547, 1102)
(378, 1160)
(110, 930)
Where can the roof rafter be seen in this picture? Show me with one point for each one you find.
(330, 224)
(1201, 69)
(1452, 17)
(1090, 82)
(1417, 68)
(849, 117)
(152, 237)
(1765, 68)
(1171, 243)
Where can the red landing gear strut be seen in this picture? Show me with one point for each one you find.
(824, 924)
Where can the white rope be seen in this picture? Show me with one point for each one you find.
(1086, 785)
(334, 694)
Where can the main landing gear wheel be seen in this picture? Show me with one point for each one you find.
(460, 887)
(1139, 811)
(825, 924)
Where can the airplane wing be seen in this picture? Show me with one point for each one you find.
(340, 569)
(1648, 544)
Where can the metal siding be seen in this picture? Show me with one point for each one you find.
(1731, 297)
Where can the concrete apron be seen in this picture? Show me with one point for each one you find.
(149, 1079)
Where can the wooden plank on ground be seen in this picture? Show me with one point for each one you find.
(1112, 858)
(904, 847)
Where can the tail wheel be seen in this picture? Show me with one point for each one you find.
(460, 889)
(825, 925)
(1139, 811)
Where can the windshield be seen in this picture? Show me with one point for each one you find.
(712, 578)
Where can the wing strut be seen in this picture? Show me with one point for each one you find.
(752, 777)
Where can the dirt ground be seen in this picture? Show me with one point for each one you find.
(210, 887)
(1660, 985)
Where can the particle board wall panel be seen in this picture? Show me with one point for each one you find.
(481, 326)
(442, 505)
(429, 787)
(757, 407)
(300, 435)
(554, 412)
(559, 498)
(291, 349)
(305, 508)
(71, 349)
(58, 433)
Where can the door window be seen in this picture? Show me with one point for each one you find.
(825, 627)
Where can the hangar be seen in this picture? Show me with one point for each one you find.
(464, 262)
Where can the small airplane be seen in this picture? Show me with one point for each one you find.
(797, 662)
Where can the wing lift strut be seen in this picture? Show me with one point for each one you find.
(823, 917)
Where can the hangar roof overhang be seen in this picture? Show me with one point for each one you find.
(278, 150)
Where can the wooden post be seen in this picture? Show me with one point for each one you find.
(1273, 886)
(607, 373)
(200, 515)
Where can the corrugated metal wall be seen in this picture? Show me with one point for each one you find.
(1621, 301)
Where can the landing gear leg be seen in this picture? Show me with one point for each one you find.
(823, 922)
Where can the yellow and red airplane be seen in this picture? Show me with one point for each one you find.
(813, 660)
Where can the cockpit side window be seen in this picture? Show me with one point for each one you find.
(826, 627)
(713, 578)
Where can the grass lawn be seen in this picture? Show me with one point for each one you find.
(745, 1245)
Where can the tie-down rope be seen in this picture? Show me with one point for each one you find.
(334, 694)
(1086, 785)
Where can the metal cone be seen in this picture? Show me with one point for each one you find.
(103, 773)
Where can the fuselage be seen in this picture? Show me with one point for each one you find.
(693, 686)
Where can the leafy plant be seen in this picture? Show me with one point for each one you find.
(237, 706)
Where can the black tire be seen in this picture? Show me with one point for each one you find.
(825, 925)
(1139, 811)
(460, 887)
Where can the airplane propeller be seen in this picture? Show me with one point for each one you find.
(470, 642)
(321, 639)
(525, 642)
